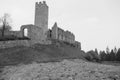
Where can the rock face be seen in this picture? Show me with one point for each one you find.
(65, 70)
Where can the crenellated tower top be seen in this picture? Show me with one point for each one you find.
(39, 4)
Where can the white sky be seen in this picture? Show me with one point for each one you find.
(95, 23)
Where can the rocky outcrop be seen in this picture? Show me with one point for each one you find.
(65, 70)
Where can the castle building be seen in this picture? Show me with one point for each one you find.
(39, 32)
(41, 20)
(60, 34)
(41, 15)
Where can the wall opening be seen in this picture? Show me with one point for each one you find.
(25, 32)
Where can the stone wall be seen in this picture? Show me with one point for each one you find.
(15, 33)
(35, 33)
(54, 31)
(77, 44)
(41, 15)
(69, 37)
(60, 34)
(13, 43)
(11, 33)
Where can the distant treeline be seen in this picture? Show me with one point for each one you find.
(108, 55)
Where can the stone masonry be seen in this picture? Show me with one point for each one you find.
(60, 34)
(41, 15)
(35, 33)
(39, 33)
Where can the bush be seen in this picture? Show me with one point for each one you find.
(92, 56)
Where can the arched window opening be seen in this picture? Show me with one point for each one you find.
(25, 32)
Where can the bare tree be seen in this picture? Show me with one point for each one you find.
(107, 50)
(5, 23)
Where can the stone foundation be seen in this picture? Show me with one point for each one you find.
(8, 44)
(13, 43)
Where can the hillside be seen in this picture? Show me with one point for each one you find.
(75, 69)
(39, 53)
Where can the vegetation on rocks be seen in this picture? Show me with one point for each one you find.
(74, 69)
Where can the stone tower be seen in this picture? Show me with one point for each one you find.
(41, 15)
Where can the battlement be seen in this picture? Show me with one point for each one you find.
(38, 33)
(43, 3)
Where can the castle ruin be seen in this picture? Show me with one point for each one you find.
(39, 32)
(41, 15)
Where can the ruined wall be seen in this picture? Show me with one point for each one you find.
(35, 34)
(77, 44)
(60, 34)
(11, 33)
(55, 31)
(15, 33)
(13, 43)
(69, 37)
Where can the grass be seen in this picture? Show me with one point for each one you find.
(114, 63)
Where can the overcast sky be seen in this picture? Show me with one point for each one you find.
(95, 23)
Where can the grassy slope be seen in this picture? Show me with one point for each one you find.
(114, 63)
(39, 53)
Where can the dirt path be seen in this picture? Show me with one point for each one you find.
(64, 70)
